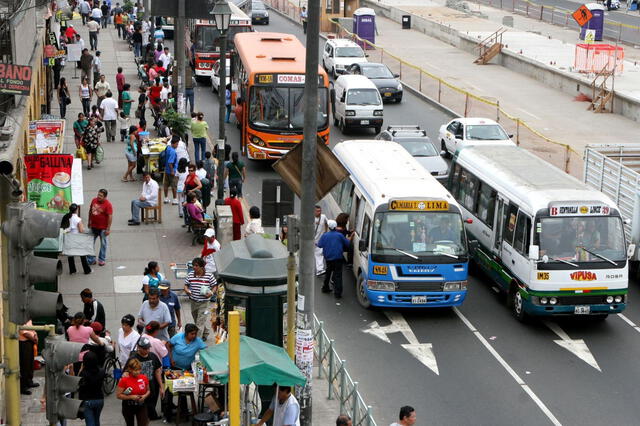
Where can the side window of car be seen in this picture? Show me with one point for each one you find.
(452, 127)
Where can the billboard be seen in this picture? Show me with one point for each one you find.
(15, 79)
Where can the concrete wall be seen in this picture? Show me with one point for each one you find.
(566, 82)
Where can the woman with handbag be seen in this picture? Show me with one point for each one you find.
(79, 127)
(72, 224)
(86, 92)
(64, 97)
(91, 140)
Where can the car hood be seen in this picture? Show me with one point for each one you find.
(384, 82)
(433, 164)
(349, 61)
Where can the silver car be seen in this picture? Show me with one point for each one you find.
(418, 144)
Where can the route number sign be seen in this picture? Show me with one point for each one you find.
(582, 15)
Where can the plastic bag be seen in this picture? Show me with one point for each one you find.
(81, 153)
(99, 154)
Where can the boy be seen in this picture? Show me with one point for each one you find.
(123, 122)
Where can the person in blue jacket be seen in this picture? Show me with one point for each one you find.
(333, 244)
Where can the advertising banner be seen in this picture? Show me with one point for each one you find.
(46, 136)
(49, 181)
(15, 79)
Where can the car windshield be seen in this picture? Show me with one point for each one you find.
(485, 132)
(420, 234)
(282, 108)
(349, 52)
(207, 37)
(376, 71)
(586, 239)
(363, 97)
(419, 148)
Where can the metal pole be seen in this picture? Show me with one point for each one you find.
(179, 48)
(307, 201)
(234, 368)
(222, 91)
(147, 5)
(291, 303)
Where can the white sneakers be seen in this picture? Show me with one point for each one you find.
(166, 200)
(174, 202)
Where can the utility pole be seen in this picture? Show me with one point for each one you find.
(179, 50)
(308, 200)
(222, 107)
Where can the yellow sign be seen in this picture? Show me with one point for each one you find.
(419, 205)
(543, 276)
(265, 78)
(380, 269)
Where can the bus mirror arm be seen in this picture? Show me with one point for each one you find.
(544, 259)
(534, 252)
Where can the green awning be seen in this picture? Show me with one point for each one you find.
(260, 363)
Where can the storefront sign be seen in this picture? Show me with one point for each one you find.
(49, 181)
(46, 136)
(15, 79)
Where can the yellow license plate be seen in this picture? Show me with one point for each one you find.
(387, 94)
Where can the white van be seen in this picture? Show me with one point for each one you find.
(339, 53)
(356, 102)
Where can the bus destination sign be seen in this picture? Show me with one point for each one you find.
(419, 205)
(284, 79)
(579, 210)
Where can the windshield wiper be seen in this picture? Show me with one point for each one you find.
(413, 256)
(445, 254)
(599, 256)
(557, 259)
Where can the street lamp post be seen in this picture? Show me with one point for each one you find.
(221, 13)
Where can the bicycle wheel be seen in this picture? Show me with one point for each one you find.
(110, 380)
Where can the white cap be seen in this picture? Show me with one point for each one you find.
(210, 233)
(332, 224)
(71, 25)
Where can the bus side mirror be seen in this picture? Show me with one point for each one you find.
(362, 245)
(534, 252)
(473, 245)
(631, 250)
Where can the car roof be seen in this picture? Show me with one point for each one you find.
(342, 42)
(410, 130)
(475, 120)
(359, 81)
(410, 137)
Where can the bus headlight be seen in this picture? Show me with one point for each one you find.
(377, 113)
(553, 301)
(381, 285)
(257, 141)
(350, 113)
(544, 300)
(609, 299)
(455, 286)
(618, 299)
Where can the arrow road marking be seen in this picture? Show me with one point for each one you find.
(423, 352)
(576, 346)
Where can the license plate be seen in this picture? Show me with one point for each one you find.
(364, 121)
(418, 300)
(582, 310)
(387, 94)
(260, 155)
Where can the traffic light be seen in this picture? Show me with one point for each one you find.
(58, 354)
(25, 228)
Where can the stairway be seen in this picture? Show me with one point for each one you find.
(490, 47)
(602, 96)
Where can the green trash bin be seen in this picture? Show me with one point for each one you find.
(50, 248)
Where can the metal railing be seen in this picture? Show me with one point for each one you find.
(341, 385)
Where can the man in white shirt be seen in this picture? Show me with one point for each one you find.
(284, 409)
(148, 198)
(166, 59)
(320, 227)
(96, 14)
(94, 29)
(109, 107)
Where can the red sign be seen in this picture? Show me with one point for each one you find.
(15, 79)
(49, 181)
(582, 15)
(583, 276)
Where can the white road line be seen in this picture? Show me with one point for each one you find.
(576, 346)
(527, 112)
(508, 368)
(631, 323)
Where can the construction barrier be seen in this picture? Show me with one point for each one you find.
(462, 102)
(595, 58)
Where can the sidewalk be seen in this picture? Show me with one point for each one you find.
(117, 284)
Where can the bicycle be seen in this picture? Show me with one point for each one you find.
(112, 372)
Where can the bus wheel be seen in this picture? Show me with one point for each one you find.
(361, 293)
(517, 303)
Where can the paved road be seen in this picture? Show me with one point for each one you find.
(491, 369)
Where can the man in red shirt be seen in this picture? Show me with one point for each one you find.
(100, 217)
(120, 84)
(70, 33)
(236, 213)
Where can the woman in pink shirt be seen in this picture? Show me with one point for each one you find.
(158, 347)
(80, 333)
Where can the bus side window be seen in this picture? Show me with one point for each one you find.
(366, 225)
(468, 190)
(486, 204)
(510, 223)
(455, 181)
(346, 197)
(336, 192)
(523, 226)
(360, 203)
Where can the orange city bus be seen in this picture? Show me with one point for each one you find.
(269, 72)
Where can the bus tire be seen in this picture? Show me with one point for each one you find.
(361, 293)
(516, 303)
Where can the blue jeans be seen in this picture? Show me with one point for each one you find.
(137, 49)
(136, 205)
(199, 146)
(226, 119)
(102, 255)
(189, 96)
(235, 183)
(92, 410)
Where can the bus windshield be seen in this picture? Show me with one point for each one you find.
(586, 239)
(282, 108)
(418, 234)
(207, 37)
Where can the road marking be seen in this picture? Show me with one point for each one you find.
(527, 112)
(631, 323)
(576, 346)
(423, 352)
(508, 368)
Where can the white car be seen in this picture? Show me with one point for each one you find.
(461, 132)
(339, 53)
(215, 76)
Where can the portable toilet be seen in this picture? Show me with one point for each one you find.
(596, 22)
(364, 26)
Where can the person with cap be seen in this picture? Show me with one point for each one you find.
(93, 309)
(154, 310)
(152, 369)
(127, 338)
(333, 245)
(170, 299)
(287, 413)
(236, 213)
(211, 245)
